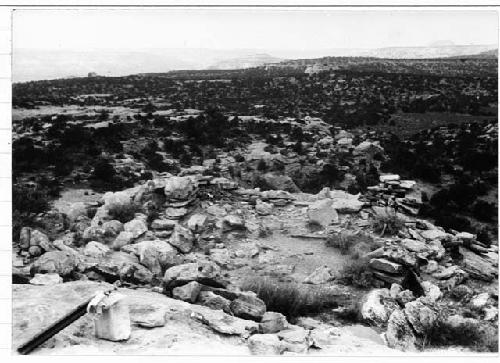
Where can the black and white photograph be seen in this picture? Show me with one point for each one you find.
(254, 180)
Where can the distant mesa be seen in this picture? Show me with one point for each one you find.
(92, 74)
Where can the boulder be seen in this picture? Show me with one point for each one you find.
(123, 239)
(163, 224)
(35, 251)
(248, 306)
(176, 212)
(179, 188)
(278, 182)
(76, 210)
(93, 234)
(40, 239)
(404, 297)
(233, 222)
(112, 228)
(95, 249)
(46, 279)
(136, 226)
(322, 213)
(265, 344)
(480, 301)
(295, 340)
(321, 275)
(59, 262)
(196, 223)
(207, 273)
(156, 255)
(431, 234)
(226, 324)
(431, 291)
(395, 290)
(385, 265)
(220, 256)
(399, 334)
(123, 266)
(188, 292)
(182, 239)
(477, 267)
(374, 308)
(118, 199)
(420, 316)
(272, 322)
(151, 317)
(214, 301)
(263, 208)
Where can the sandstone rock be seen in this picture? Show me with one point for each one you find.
(188, 292)
(414, 245)
(123, 266)
(395, 290)
(95, 249)
(118, 199)
(478, 267)
(226, 324)
(248, 307)
(233, 222)
(163, 224)
(404, 297)
(295, 340)
(179, 188)
(182, 239)
(40, 239)
(431, 291)
(136, 226)
(196, 223)
(399, 333)
(373, 308)
(432, 234)
(322, 213)
(491, 313)
(214, 301)
(382, 264)
(112, 228)
(263, 208)
(156, 255)
(35, 251)
(93, 234)
(321, 275)
(265, 344)
(272, 322)
(207, 273)
(480, 301)
(176, 213)
(123, 239)
(60, 262)
(152, 317)
(345, 203)
(220, 256)
(76, 210)
(279, 182)
(46, 279)
(420, 316)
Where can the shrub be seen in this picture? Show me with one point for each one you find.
(351, 243)
(469, 334)
(357, 273)
(289, 299)
(388, 224)
(124, 213)
(483, 211)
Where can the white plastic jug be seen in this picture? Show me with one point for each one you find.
(112, 318)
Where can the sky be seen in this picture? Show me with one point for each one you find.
(269, 29)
